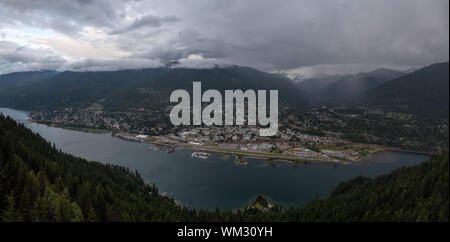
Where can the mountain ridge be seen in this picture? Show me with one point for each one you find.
(343, 89)
(140, 86)
(425, 90)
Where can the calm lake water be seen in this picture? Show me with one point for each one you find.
(216, 181)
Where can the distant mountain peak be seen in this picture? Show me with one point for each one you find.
(340, 89)
(136, 88)
(425, 90)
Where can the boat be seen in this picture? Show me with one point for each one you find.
(200, 155)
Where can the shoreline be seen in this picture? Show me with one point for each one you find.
(241, 156)
(73, 128)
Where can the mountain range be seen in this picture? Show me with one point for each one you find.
(133, 88)
(339, 89)
(424, 91)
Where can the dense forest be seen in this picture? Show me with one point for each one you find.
(424, 92)
(126, 89)
(40, 183)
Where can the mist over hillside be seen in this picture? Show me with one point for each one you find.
(342, 89)
(134, 88)
(425, 90)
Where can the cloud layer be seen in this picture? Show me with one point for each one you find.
(290, 36)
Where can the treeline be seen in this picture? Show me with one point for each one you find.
(40, 183)
(418, 193)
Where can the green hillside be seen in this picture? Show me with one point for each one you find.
(350, 87)
(119, 90)
(345, 89)
(423, 91)
(314, 84)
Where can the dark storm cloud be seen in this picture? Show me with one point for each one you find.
(299, 33)
(111, 65)
(147, 21)
(188, 43)
(11, 52)
(271, 35)
(17, 58)
(68, 17)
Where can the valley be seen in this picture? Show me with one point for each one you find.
(317, 135)
(309, 129)
(222, 180)
(231, 116)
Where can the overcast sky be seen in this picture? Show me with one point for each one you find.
(296, 37)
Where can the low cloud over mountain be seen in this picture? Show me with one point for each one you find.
(289, 36)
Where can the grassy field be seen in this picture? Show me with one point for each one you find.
(88, 130)
(258, 155)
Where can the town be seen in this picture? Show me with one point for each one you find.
(246, 143)
(319, 134)
(216, 108)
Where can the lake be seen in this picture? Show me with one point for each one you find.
(217, 182)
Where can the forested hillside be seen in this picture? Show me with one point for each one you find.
(348, 88)
(424, 91)
(419, 193)
(125, 89)
(40, 183)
